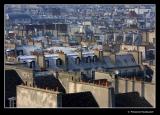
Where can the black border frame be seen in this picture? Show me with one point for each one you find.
(110, 110)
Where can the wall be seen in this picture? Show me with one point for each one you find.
(149, 89)
(151, 36)
(41, 61)
(10, 59)
(121, 86)
(101, 94)
(134, 47)
(9, 45)
(150, 93)
(65, 77)
(26, 76)
(34, 97)
(153, 67)
(12, 79)
(148, 37)
(24, 73)
(128, 47)
(65, 83)
(102, 75)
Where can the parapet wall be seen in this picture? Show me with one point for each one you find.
(146, 90)
(101, 94)
(37, 98)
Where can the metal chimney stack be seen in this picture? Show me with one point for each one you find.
(114, 37)
(124, 37)
(133, 38)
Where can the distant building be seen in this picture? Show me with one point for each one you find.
(18, 18)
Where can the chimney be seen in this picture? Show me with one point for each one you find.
(124, 37)
(41, 60)
(114, 37)
(33, 42)
(113, 58)
(48, 40)
(42, 44)
(147, 37)
(107, 38)
(133, 38)
(81, 53)
(64, 58)
(99, 54)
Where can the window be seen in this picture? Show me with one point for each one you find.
(93, 75)
(47, 63)
(77, 60)
(86, 60)
(33, 64)
(18, 59)
(89, 59)
(94, 58)
(58, 62)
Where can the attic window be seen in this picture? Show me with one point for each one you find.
(94, 58)
(77, 60)
(47, 63)
(88, 59)
(58, 62)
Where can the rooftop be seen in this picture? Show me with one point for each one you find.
(81, 99)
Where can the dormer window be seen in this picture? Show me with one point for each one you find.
(32, 64)
(77, 60)
(58, 62)
(94, 58)
(47, 63)
(88, 59)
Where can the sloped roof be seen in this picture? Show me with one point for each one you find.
(131, 99)
(18, 16)
(49, 82)
(125, 60)
(108, 62)
(121, 61)
(81, 99)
